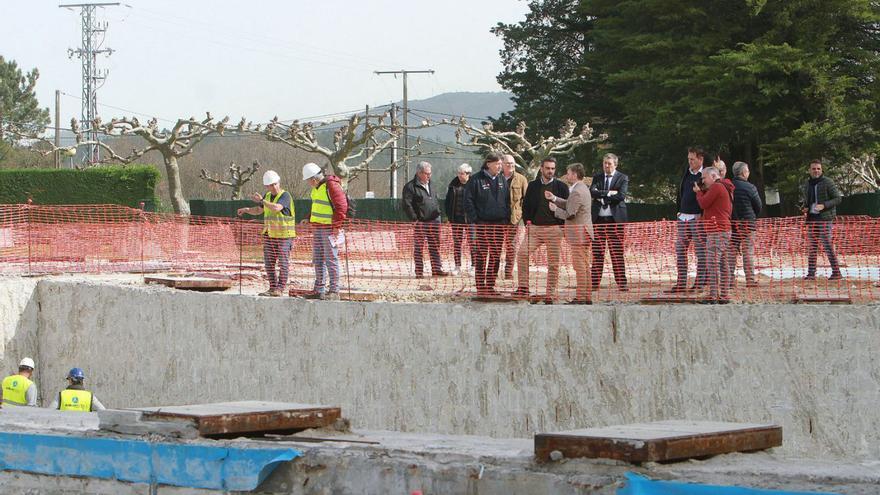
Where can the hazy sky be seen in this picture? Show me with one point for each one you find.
(257, 59)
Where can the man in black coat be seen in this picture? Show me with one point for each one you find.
(421, 205)
(487, 204)
(609, 190)
(747, 206)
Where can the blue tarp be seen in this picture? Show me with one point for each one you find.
(137, 461)
(639, 485)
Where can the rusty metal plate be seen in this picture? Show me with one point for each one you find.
(191, 283)
(659, 441)
(250, 417)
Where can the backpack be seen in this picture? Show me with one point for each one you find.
(351, 211)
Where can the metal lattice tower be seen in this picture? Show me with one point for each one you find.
(91, 46)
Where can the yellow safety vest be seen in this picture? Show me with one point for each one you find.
(15, 389)
(75, 400)
(277, 224)
(322, 210)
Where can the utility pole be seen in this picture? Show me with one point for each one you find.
(88, 53)
(366, 124)
(405, 111)
(393, 174)
(57, 128)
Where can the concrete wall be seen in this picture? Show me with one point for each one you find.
(18, 323)
(501, 370)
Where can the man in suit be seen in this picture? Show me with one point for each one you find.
(608, 191)
(578, 227)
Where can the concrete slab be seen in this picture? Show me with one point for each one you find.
(658, 441)
(38, 418)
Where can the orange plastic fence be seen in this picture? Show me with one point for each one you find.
(378, 258)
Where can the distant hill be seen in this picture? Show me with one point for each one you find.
(473, 106)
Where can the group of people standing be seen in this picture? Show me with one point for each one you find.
(329, 210)
(498, 212)
(497, 209)
(19, 389)
(718, 216)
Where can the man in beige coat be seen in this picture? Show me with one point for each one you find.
(578, 226)
(517, 183)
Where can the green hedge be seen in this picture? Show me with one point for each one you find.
(127, 185)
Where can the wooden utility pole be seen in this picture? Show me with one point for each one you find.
(405, 111)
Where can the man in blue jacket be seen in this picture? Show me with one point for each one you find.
(487, 203)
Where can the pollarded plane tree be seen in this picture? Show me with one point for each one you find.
(356, 140)
(172, 144)
(528, 152)
(237, 177)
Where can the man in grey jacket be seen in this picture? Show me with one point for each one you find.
(578, 227)
(819, 200)
(746, 208)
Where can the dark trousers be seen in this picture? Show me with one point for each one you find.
(427, 233)
(276, 252)
(608, 234)
(488, 239)
(459, 234)
(819, 232)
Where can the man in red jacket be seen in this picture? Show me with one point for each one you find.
(714, 197)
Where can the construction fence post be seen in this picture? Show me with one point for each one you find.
(27, 210)
(143, 219)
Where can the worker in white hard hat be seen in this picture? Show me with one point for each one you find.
(279, 229)
(329, 207)
(19, 389)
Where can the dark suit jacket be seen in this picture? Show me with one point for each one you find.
(620, 184)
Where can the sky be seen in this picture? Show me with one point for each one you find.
(291, 58)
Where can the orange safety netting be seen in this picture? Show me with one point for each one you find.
(377, 257)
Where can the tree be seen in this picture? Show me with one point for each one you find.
(771, 83)
(18, 103)
(172, 144)
(529, 153)
(237, 178)
(359, 138)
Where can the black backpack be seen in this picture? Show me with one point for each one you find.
(351, 211)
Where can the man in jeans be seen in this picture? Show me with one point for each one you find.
(746, 208)
(329, 205)
(421, 206)
(278, 231)
(819, 200)
(688, 229)
(714, 198)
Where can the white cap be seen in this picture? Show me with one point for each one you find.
(27, 362)
(271, 177)
(310, 170)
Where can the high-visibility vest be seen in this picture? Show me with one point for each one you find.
(322, 210)
(15, 389)
(277, 224)
(75, 400)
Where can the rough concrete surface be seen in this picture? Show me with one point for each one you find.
(442, 464)
(501, 370)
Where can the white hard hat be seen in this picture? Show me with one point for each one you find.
(271, 177)
(27, 362)
(310, 170)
